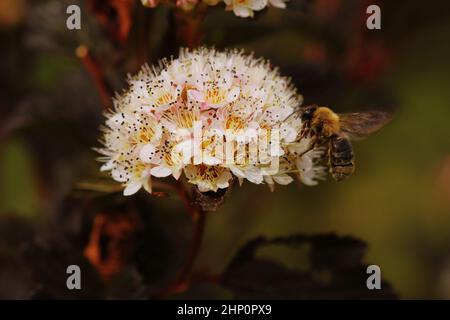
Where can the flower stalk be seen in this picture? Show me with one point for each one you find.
(189, 26)
(95, 71)
(198, 215)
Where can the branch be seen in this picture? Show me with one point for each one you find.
(189, 25)
(93, 68)
(198, 216)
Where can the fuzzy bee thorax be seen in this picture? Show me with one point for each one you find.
(326, 120)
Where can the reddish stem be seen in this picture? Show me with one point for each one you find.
(188, 26)
(181, 281)
(185, 197)
(198, 231)
(93, 68)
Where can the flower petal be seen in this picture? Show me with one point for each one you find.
(107, 166)
(278, 3)
(196, 95)
(224, 180)
(257, 4)
(147, 184)
(243, 12)
(147, 153)
(119, 175)
(161, 171)
(132, 188)
(233, 94)
(283, 179)
(254, 175)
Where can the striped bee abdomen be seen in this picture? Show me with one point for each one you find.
(340, 157)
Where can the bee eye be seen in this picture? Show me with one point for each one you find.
(308, 113)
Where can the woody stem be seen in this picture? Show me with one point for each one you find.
(188, 26)
(198, 231)
(95, 71)
(198, 216)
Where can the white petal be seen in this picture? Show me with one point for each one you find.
(288, 133)
(233, 94)
(140, 89)
(161, 171)
(169, 125)
(283, 179)
(270, 183)
(177, 173)
(211, 161)
(185, 149)
(116, 120)
(119, 175)
(132, 188)
(147, 184)
(304, 163)
(237, 172)
(308, 180)
(254, 175)
(204, 187)
(147, 153)
(243, 12)
(107, 166)
(276, 152)
(278, 4)
(224, 180)
(196, 95)
(258, 4)
(298, 148)
(158, 133)
(226, 78)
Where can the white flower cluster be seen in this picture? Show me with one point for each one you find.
(241, 8)
(245, 8)
(152, 130)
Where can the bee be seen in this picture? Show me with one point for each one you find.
(334, 131)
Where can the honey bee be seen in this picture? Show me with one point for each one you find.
(334, 131)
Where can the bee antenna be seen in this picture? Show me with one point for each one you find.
(294, 112)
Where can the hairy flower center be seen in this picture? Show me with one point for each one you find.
(143, 136)
(164, 99)
(209, 173)
(137, 170)
(215, 95)
(235, 123)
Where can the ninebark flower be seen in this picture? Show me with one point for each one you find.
(241, 8)
(211, 116)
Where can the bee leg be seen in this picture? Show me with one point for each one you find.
(306, 131)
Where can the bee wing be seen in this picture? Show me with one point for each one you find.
(360, 125)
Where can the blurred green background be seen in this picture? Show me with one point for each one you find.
(398, 201)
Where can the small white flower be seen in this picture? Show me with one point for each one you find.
(208, 178)
(309, 173)
(241, 8)
(150, 3)
(245, 8)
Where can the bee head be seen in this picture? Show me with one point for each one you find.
(308, 113)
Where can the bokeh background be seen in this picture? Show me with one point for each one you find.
(56, 209)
